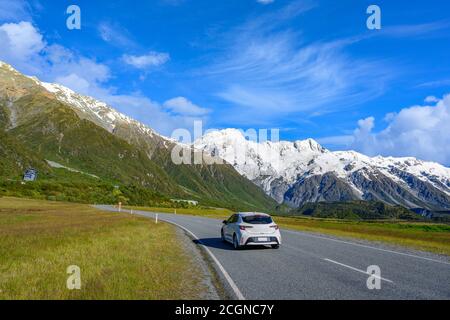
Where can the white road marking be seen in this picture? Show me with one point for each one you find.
(365, 246)
(230, 281)
(358, 270)
(232, 284)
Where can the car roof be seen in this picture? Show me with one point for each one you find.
(247, 214)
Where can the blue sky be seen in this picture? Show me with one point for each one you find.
(308, 67)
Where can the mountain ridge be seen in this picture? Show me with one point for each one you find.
(303, 171)
(292, 173)
(55, 124)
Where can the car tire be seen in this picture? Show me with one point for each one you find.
(275, 246)
(236, 243)
(222, 236)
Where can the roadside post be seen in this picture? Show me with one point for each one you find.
(156, 219)
(120, 206)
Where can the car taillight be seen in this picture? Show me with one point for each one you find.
(243, 228)
(275, 227)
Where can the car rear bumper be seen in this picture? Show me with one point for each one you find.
(260, 241)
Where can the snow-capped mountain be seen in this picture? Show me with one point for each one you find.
(52, 128)
(97, 111)
(304, 171)
(107, 117)
(290, 172)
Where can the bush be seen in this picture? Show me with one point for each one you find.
(82, 192)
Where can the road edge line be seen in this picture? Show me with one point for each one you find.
(230, 281)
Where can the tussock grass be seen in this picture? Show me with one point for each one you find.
(121, 257)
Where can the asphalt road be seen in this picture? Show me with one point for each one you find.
(310, 266)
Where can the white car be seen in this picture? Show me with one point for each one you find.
(251, 229)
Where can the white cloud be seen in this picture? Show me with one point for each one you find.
(419, 131)
(437, 84)
(365, 127)
(415, 30)
(152, 59)
(74, 82)
(431, 99)
(21, 40)
(270, 77)
(14, 10)
(24, 47)
(115, 35)
(265, 1)
(267, 73)
(151, 113)
(183, 106)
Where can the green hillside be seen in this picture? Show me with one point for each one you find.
(217, 184)
(356, 210)
(35, 127)
(56, 133)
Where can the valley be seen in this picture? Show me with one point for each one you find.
(77, 142)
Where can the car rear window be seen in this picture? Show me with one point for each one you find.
(257, 219)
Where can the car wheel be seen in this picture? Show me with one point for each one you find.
(222, 236)
(236, 243)
(275, 246)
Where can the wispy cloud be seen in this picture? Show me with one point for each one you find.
(435, 84)
(270, 73)
(182, 106)
(265, 1)
(414, 30)
(272, 20)
(152, 59)
(115, 34)
(14, 10)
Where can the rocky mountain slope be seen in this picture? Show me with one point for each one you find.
(41, 121)
(301, 172)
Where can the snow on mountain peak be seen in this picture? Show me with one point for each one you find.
(97, 111)
(8, 67)
(253, 159)
(289, 161)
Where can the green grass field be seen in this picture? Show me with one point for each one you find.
(433, 237)
(203, 212)
(120, 256)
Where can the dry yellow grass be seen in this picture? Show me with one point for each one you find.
(120, 257)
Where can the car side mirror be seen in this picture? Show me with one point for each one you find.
(225, 222)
